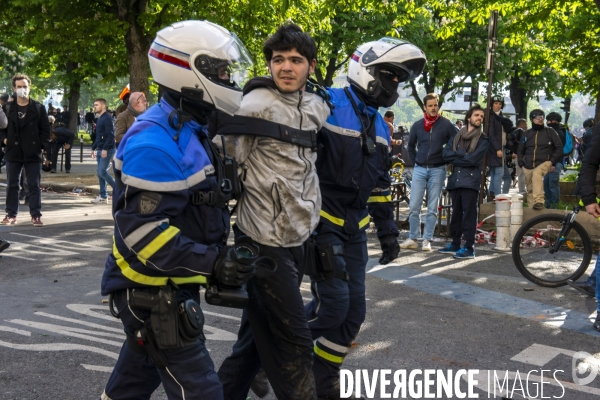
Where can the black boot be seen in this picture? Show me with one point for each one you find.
(260, 384)
(597, 323)
(4, 245)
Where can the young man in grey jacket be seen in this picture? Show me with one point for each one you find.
(278, 210)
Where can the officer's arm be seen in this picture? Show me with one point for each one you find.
(586, 186)
(143, 224)
(380, 203)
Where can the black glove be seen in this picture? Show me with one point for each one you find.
(230, 272)
(390, 249)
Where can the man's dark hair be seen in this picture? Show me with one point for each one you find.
(473, 108)
(430, 96)
(288, 37)
(101, 100)
(19, 77)
(389, 114)
(459, 120)
(521, 121)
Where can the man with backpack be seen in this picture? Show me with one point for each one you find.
(551, 188)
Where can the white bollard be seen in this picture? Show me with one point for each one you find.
(516, 215)
(503, 222)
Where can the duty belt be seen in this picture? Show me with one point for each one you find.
(207, 198)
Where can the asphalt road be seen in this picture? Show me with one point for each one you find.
(426, 311)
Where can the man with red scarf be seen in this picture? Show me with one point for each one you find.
(425, 144)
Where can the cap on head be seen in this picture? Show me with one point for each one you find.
(536, 113)
(553, 116)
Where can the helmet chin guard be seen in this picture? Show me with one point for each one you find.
(374, 67)
(203, 56)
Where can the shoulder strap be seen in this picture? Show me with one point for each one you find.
(225, 124)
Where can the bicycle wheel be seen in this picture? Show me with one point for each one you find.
(531, 251)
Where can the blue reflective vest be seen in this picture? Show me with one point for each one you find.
(159, 233)
(347, 176)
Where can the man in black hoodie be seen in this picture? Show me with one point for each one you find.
(27, 131)
(540, 149)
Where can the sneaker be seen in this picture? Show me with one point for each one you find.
(464, 253)
(37, 221)
(8, 220)
(450, 249)
(99, 199)
(538, 206)
(426, 246)
(409, 244)
(52, 171)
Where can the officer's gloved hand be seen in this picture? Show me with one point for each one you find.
(230, 272)
(390, 249)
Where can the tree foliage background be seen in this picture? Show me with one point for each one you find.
(83, 47)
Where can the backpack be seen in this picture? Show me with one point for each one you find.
(568, 147)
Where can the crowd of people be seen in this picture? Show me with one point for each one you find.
(303, 201)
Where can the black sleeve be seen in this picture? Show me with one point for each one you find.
(589, 168)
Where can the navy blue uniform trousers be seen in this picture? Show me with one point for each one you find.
(338, 307)
(190, 374)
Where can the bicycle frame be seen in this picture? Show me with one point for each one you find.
(566, 228)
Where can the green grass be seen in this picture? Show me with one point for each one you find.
(86, 137)
(569, 178)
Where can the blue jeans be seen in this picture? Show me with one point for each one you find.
(551, 188)
(433, 180)
(593, 282)
(496, 174)
(103, 175)
(506, 180)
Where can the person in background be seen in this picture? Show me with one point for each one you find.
(465, 153)
(103, 149)
(136, 106)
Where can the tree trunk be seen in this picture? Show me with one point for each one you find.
(74, 87)
(597, 110)
(518, 96)
(137, 54)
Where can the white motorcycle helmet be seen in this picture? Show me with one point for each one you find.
(202, 61)
(373, 62)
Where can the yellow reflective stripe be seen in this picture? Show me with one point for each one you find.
(157, 243)
(364, 222)
(329, 217)
(142, 279)
(340, 222)
(380, 199)
(329, 357)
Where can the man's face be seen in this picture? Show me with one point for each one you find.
(98, 107)
(459, 124)
(538, 119)
(139, 102)
(431, 107)
(389, 119)
(476, 119)
(497, 106)
(552, 122)
(290, 70)
(21, 86)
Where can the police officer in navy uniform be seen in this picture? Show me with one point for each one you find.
(352, 165)
(171, 218)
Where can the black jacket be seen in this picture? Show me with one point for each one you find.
(586, 182)
(497, 124)
(425, 148)
(25, 144)
(63, 135)
(466, 172)
(538, 146)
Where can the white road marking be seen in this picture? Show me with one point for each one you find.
(221, 315)
(76, 321)
(86, 309)
(540, 355)
(98, 368)
(63, 243)
(74, 332)
(59, 347)
(14, 330)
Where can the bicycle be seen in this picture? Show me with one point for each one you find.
(551, 249)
